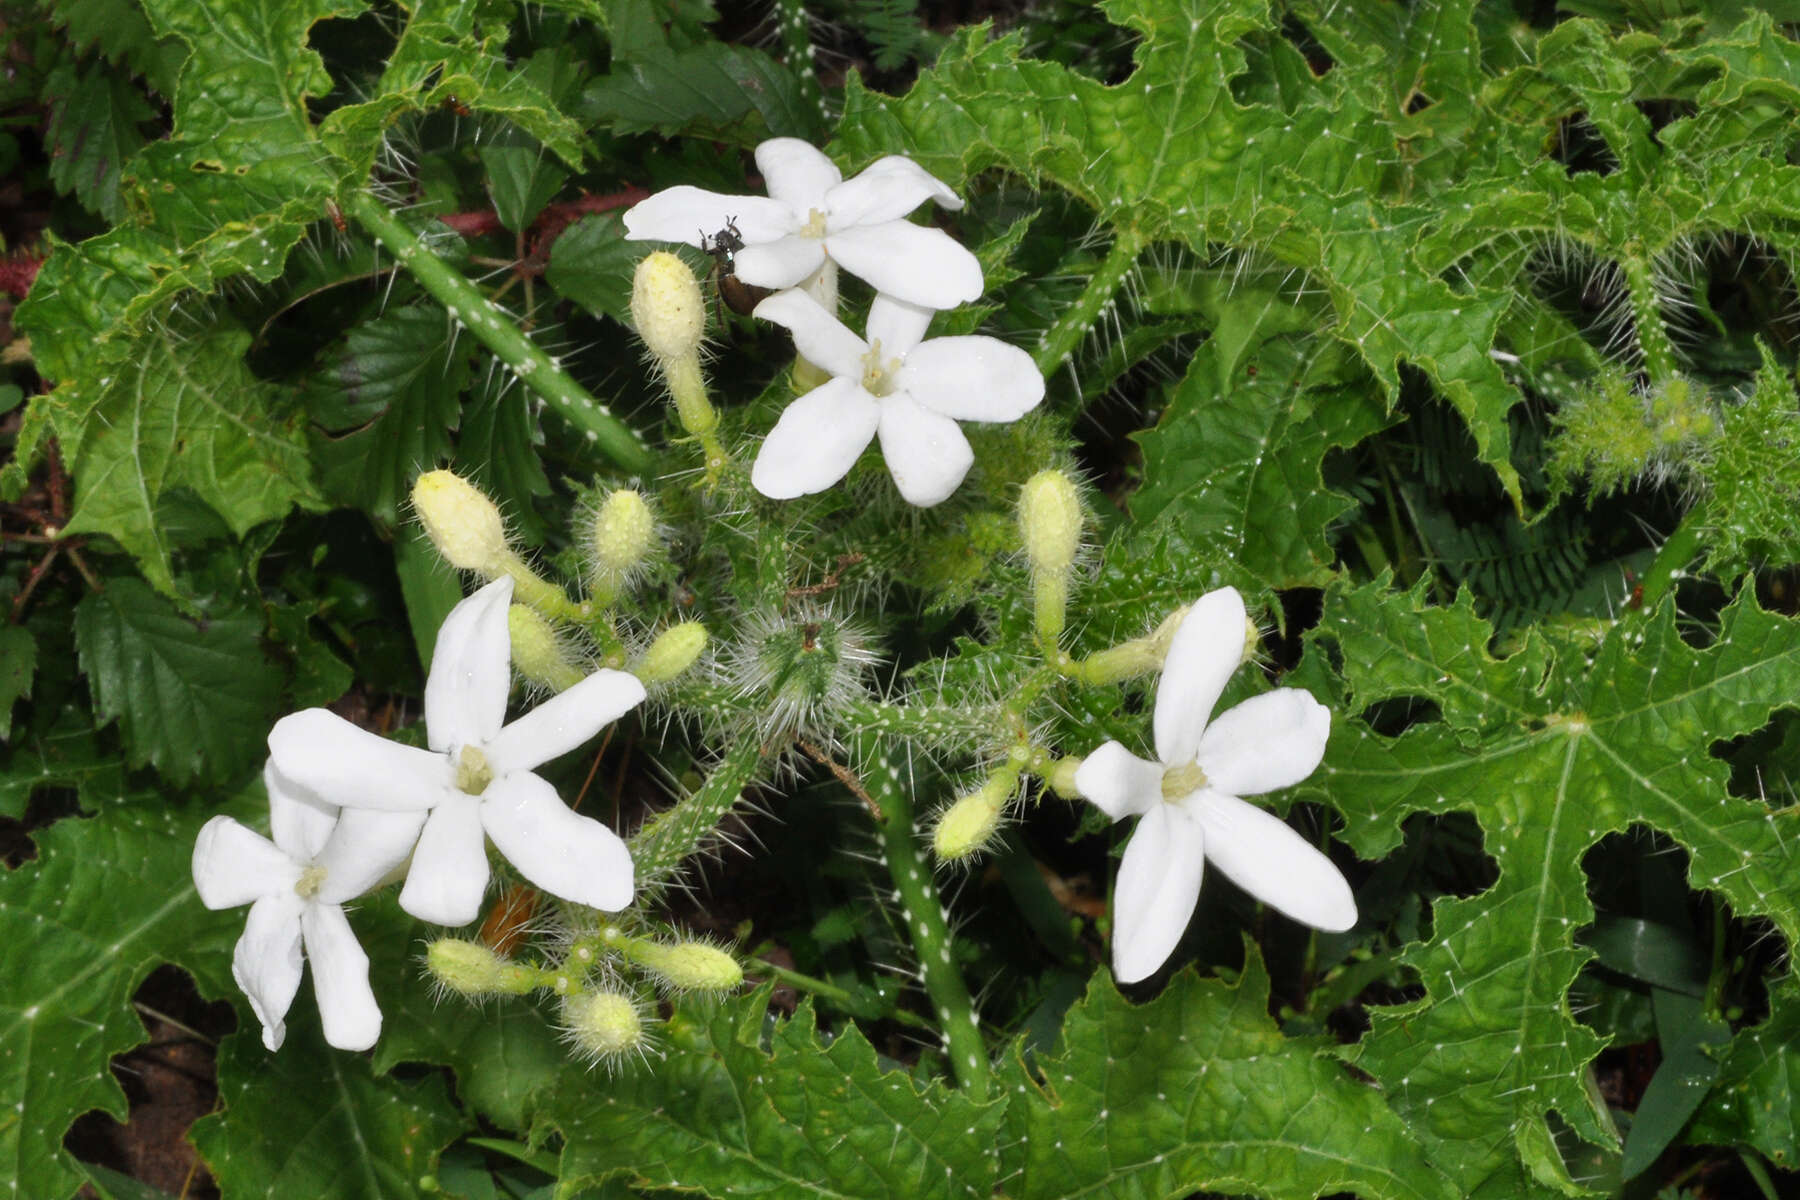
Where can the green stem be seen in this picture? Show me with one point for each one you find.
(1646, 315)
(496, 330)
(842, 997)
(926, 921)
(1671, 562)
(673, 834)
(1058, 342)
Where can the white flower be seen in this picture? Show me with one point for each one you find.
(811, 211)
(296, 886)
(1188, 801)
(910, 392)
(476, 778)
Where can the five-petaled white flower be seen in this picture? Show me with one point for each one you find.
(812, 212)
(296, 886)
(1188, 801)
(910, 392)
(476, 777)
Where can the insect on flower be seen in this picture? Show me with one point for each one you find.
(739, 296)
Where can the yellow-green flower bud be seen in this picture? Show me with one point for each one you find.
(1050, 520)
(968, 825)
(537, 652)
(1062, 777)
(667, 306)
(675, 650)
(462, 523)
(602, 1026)
(1139, 656)
(687, 966)
(473, 970)
(624, 533)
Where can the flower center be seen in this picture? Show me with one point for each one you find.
(815, 225)
(472, 772)
(309, 883)
(878, 373)
(1178, 783)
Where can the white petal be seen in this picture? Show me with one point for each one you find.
(365, 848)
(897, 325)
(1157, 888)
(234, 865)
(973, 378)
(471, 670)
(816, 442)
(340, 972)
(1269, 741)
(885, 190)
(1204, 652)
(345, 764)
(819, 337)
(299, 821)
(926, 453)
(266, 962)
(796, 173)
(686, 214)
(1118, 782)
(566, 854)
(449, 868)
(564, 721)
(917, 264)
(1261, 854)
(783, 263)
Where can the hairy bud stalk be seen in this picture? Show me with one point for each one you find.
(670, 314)
(1128, 660)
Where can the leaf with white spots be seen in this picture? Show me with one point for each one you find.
(813, 1115)
(107, 900)
(1198, 1090)
(1551, 749)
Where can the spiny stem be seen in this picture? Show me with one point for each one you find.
(843, 997)
(1058, 342)
(1646, 315)
(925, 918)
(495, 329)
(670, 836)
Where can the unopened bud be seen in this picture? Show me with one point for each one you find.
(602, 1026)
(1050, 520)
(687, 966)
(537, 652)
(473, 970)
(667, 306)
(462, 523)
(673, 652)
(1139, 656)
(624, 532)
(968, 825)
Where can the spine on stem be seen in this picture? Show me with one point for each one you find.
(673, 834)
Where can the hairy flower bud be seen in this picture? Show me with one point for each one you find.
(623, 535)
(537, 653)
(1050, 520)
(967, 826)
(687, 966)
(602, 1026)
(667, 306)
(473, 970)
(1139, 656)
(673, 652)
(462, 523)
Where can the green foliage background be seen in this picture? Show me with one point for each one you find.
(1459, 336)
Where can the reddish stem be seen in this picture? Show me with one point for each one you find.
(18, 273)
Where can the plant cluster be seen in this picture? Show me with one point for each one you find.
(1357, 442)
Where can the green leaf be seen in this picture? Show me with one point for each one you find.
(1550, 749)
(712, 90)
(1199, 1091)
(18, 663)
(386, 400)
(592, 264)
(94, 117)
(1681, 1082)
(193, 698)
(106, 900)
(520, 179)
(67, 754)
(1755, 1101)
(430, 587)
(310, 1120)
(185, 414)
(1751, 507)
(722, 1114)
